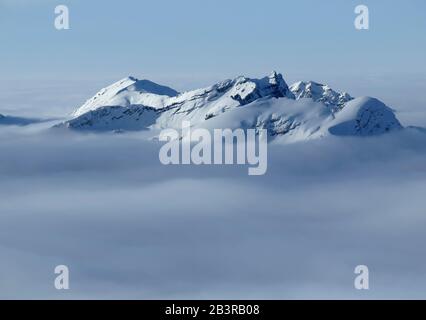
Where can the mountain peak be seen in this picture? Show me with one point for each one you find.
(131, 78)
(246, 90)
(277, 80)
(126, 92)
(275, 76)
(321, 93)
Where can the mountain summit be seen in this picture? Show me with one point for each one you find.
(305, 110)
(320, 92)
(127, 92)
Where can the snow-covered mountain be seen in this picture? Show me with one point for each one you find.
(302, 111)
(129, 92)
(320, 92)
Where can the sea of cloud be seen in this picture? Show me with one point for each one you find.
(129, 227)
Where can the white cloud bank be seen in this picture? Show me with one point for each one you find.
(129, 227)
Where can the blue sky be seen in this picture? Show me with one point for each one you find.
(210, 39)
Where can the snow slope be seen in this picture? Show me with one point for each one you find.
(364, 117)
(302, 111)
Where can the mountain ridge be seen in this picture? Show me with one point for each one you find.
(304, 110)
